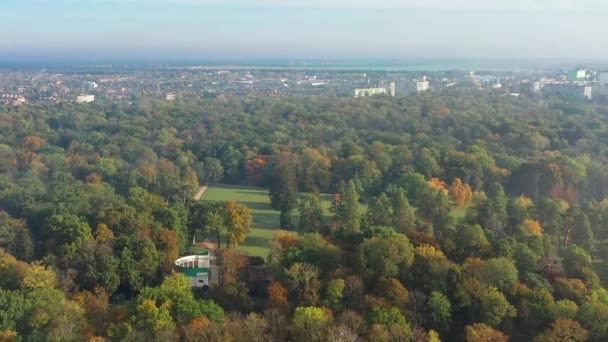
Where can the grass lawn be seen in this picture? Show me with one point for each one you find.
(265, 219)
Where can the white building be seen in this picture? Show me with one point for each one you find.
(364, 92)
(171, 97)
(196, 267)
(85, 98)
(536, 86)
(422, 85)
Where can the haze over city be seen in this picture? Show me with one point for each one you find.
(334, 29)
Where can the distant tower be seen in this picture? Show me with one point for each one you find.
(392, 89)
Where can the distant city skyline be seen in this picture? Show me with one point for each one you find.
(316, 29)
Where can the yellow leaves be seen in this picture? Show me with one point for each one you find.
(39, 277)
(8, 335)
(438, 184)
(239, 220)
(524, 202)
(532, 228)
(461, 194)
(312, 154)
(429, 252)
(103, 234)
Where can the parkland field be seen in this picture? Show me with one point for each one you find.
(265, 219)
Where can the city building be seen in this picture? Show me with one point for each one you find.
(536, 87)
(11, 99)
(422, 85)
(577, 75)
(85, 98)
(196, 267)
(364, 92)
(392, 89)
(171, 97)
(90, 86)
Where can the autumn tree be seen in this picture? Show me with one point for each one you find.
(480, 332)
(461, 194)
(563, 330)
(238, 221)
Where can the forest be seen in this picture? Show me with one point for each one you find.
(455, 217)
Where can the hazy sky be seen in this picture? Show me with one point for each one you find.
(242, 29)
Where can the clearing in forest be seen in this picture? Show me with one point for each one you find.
(265, 219)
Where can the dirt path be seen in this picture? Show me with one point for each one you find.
(201, 192)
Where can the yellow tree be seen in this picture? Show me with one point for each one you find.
(238, 222)
(460, 193)
(532, 228)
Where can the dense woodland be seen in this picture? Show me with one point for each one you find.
(462, 217)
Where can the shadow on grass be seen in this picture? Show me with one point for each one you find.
(257, 205)
(266, 221)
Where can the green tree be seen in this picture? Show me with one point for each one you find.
(440, 311)
(347, 211)
(311, 213)
(404, 217)
(284, 191)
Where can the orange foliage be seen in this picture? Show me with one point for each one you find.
(286, 239)
(32, 143)
(438, 184)
(168, 244)
(445, 110)
(532, 228)
(277, 297)
(255, 169)
(461, 194)
(93, 178)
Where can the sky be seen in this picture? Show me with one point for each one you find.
(303, 29)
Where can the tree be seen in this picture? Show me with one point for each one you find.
(152, 318)
(284, 191)
(387, 256)
(347, 209)
(238, 221)
(493, 307)
(311, 213)
(532, 228)
(494, 212)
(403, 214)
(303, 279)
(594, 316)
(379, 211)
(252, 328)
(480, 332)
(310, 323)
(499, 272)
(334, 293)
(387, 317)
(69, 232)
(461, 194)
(277, 297)
(563, 330)
(440, 311)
